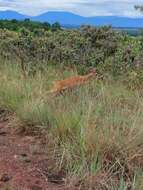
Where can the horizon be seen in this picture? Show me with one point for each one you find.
(84, 8)
(70, 12)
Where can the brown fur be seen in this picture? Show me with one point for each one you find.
(69, 83)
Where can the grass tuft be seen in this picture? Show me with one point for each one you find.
(97, 128)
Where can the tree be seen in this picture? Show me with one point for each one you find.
(56, 26)
(46, 26)
(139, 7)
(26, 20)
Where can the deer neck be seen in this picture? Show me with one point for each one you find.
(90, 75)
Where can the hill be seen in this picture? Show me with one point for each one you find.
(66, 19)
(12, 15)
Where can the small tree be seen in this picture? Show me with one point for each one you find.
(56, 26)
(139, 7)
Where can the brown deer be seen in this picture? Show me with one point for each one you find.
(72, 82)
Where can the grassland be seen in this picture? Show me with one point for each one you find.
(95, 132)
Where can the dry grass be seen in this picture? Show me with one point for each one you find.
(97, 129)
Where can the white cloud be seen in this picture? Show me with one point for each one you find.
(82, 7)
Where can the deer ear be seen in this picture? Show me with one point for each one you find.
(93, 70)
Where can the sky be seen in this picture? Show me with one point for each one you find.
(80, 7)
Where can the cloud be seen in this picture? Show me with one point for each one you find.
(36, 6)
(111, 7)
(81, 7)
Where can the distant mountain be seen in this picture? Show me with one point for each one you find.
(116, 21)
(66, 18)
(12, 15)
(70, 19)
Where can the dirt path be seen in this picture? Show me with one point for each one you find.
(23, 163)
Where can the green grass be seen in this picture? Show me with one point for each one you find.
(97, 129)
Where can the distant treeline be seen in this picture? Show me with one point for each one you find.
(130, 31)
(32, 26)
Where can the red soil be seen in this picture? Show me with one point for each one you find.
(23, 167)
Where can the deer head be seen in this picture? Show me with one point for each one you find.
(92, 72)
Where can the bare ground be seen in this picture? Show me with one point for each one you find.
(23, 167)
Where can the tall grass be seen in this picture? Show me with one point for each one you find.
(98, 128)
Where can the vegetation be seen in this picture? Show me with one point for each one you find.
(139, 7)
(88, 46)
(27, 24)
(94, 132)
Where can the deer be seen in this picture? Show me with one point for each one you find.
(72, 82)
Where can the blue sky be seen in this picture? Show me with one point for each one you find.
(81, 7)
